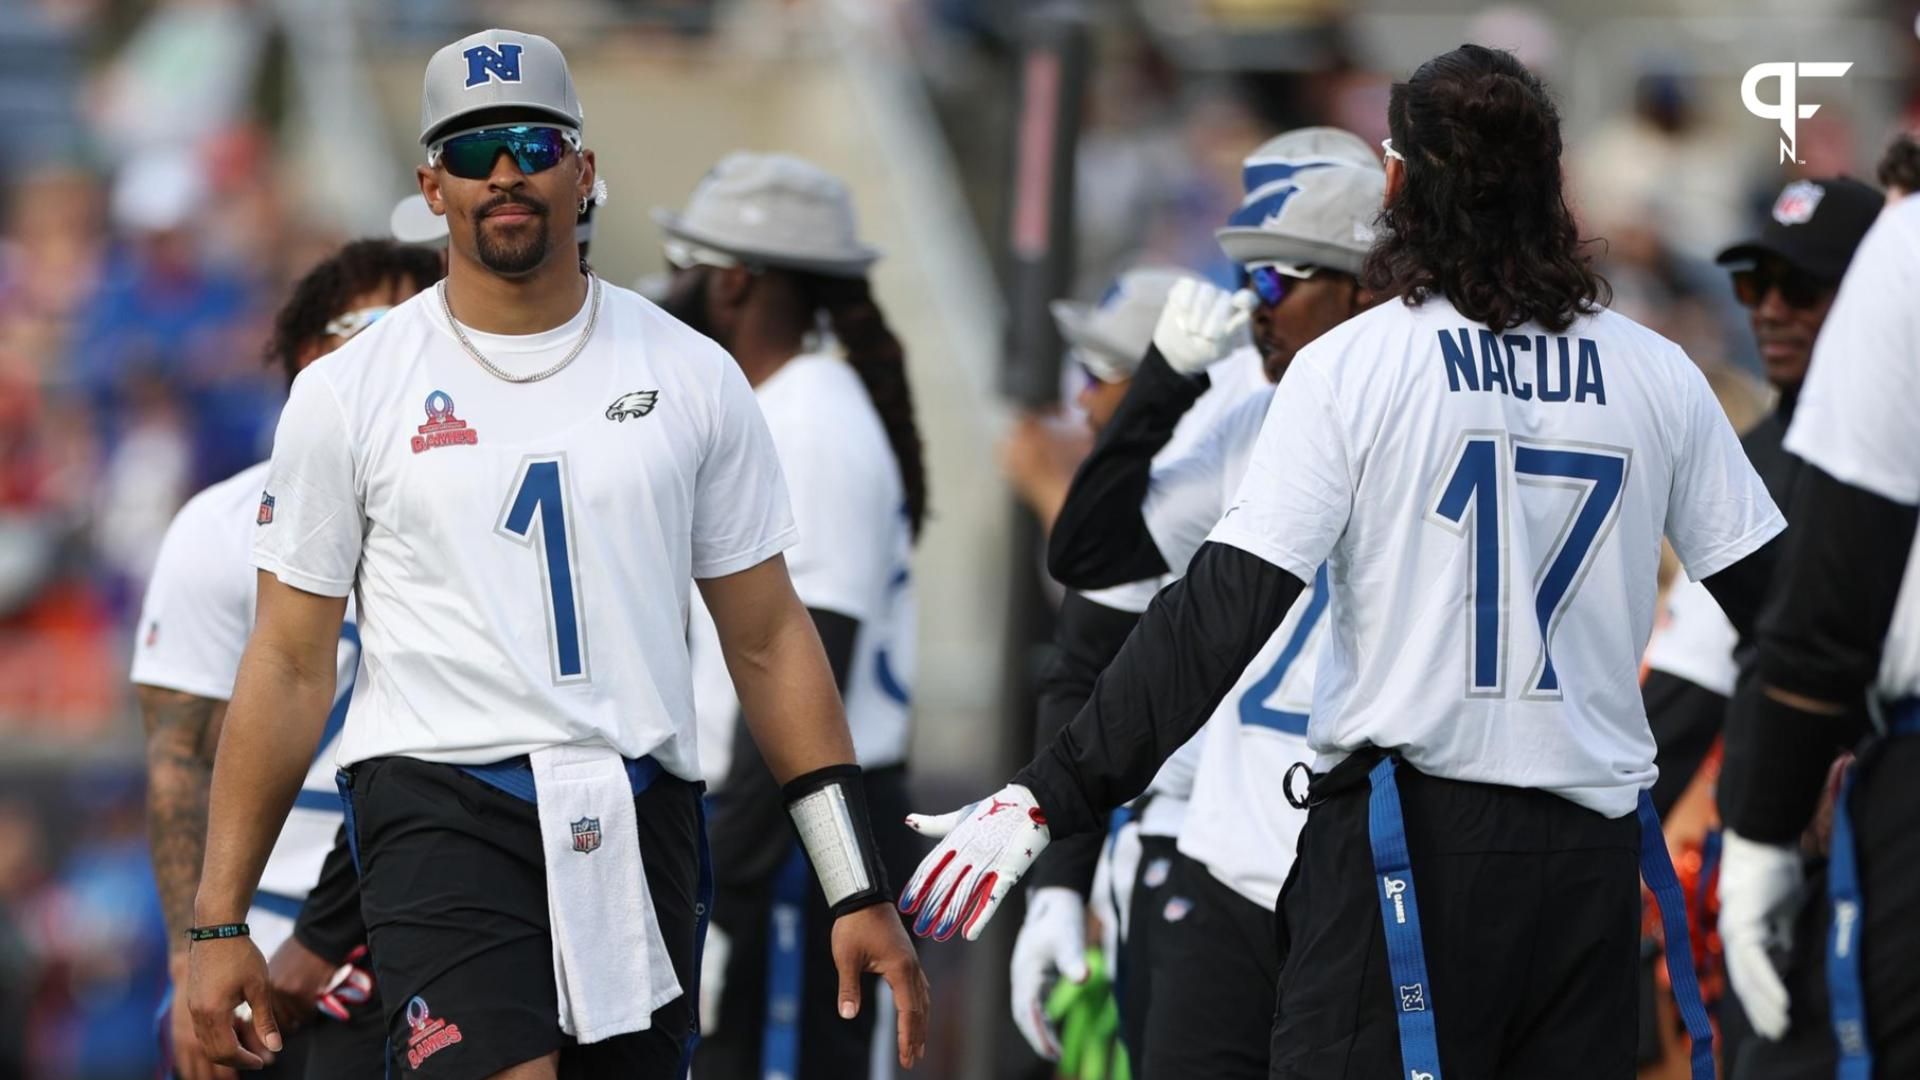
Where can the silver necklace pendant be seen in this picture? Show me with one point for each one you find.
(593, 318)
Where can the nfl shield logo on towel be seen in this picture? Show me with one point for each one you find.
(586, 835)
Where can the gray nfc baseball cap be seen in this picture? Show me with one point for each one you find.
(1312, 197)
(1112, 336)
(775, 210)
(496, 69)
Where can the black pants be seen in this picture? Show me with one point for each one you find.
(453, 887)
(780, 960)
(1885, 811)
(1215, 970)
(1147, 912)
(1530, 910)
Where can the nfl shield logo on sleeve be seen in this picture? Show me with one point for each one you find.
(586, 835)
(265, 517)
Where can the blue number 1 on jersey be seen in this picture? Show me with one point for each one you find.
(538, 498)
(1469, 503)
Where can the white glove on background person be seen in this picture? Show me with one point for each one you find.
(1197, 326)
(988, 846)
(1760, 887)
(713, 977)
(1052, 941)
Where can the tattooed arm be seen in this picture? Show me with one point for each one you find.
(182, 730)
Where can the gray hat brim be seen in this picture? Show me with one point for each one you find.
(853, 264)
(1247, 244)
(464, 119)
(1110, 362)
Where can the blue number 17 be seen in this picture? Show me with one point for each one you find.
(1469, 502)
(536, 515)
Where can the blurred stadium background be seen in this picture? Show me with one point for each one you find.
(173, 164)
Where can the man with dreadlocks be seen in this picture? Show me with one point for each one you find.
(199, 607)
(842, 423)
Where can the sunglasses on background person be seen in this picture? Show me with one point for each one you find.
(346, 326)
(1797, 287)
(535, 148)
(1271, 284)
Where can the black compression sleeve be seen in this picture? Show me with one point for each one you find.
(1100, 538)
(1087, 636)
(747, 823)
(1740, 589)
(1685, 718)
(1193, 642)
(329, 923)
(1821, 635)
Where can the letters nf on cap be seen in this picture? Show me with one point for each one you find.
(1786, 108)
(486, 62)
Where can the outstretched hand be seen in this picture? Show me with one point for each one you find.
(988, 846)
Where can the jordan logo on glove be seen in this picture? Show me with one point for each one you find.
(961, 883)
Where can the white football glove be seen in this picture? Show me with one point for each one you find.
(713, 977)
(1052, 941)
(1197, 326)
(988, 846)
(1759, 895)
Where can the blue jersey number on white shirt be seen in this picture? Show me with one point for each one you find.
(541, 487)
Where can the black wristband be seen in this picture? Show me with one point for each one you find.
(218, 931)
(829, 811)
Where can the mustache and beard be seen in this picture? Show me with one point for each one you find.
(689, 304)
(511, 252)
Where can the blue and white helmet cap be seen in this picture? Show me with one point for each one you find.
(493, 70)
(1312, 196)
(1111, 338)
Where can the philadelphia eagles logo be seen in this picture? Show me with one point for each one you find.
(637, 404)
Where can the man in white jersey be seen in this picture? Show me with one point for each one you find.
(192, 630)
(519, 754)
(1302, 233)
(766, 246)
(1485, 466)
(1844, 621)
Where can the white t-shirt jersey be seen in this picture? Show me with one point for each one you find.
(1238, 822)
(1230, 382)
(1858, 419)
(193, 628)
(1696, 641)
(522, 552)
(1490, 507)
(851, 557)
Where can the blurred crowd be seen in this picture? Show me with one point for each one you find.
(145, 243)
(147, 235)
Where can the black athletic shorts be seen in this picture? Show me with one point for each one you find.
(1887, 846)
(1215, 969)
(1146, 911)
(453, 887)
(1530, 910)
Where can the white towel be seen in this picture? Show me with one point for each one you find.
(610, 962)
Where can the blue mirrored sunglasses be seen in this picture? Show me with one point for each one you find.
(534, 148)
(1268, 284)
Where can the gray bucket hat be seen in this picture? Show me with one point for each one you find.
(1312, 197)
(1112, 336)
(496, 69)
(775, 210)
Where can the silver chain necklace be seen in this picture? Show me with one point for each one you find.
(593, 317)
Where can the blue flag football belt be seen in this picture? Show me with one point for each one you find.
(1847, 1000)
(1406, 951)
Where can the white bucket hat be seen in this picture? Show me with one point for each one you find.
(774, 210)
(1111, 337)
(1312, 196)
